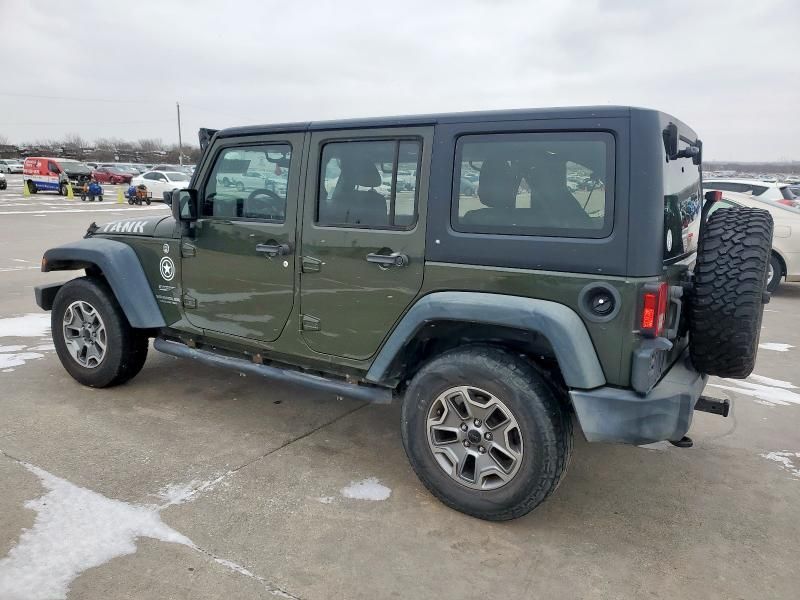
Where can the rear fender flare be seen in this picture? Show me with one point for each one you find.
(559, 324)
(120, 266)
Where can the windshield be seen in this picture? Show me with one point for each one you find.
(73, 166)
(176, 176)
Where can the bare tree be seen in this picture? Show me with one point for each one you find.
(150, 145)
(3, 140)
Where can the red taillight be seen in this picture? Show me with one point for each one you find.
(654, 310)
(786, 202)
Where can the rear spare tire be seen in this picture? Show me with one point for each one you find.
(728, 300)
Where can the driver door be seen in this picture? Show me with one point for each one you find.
(238, 269)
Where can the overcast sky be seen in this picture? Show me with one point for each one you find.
(731, 69)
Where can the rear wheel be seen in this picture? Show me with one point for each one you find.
(774, 273)
(727, 303)
(485, 433)
(92, 336)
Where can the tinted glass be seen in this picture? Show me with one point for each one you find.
(369, 184)
(249, 182)
(682, 206)
(557, 184)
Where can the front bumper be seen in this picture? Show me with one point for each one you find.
(610, 414)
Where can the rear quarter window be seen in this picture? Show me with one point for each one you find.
(545, 184)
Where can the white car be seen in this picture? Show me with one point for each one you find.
(785, 260)
(10, 165)
(763, 190)
(159, 182)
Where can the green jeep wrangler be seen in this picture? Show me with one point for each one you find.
(498, 271)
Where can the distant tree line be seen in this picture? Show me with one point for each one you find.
(784, 167)
(146, 150)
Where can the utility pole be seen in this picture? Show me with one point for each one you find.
(180, 141)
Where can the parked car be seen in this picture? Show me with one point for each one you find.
(3, 182)
(43, 173)
(112, 174)
(494, 318)
(763, 190)
(785, 258)
(173, 169)
(159, 182)
(10, 165)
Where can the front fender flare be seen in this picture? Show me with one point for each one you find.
(122, 270)
(558, 323)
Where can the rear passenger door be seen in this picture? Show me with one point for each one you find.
(363, 240)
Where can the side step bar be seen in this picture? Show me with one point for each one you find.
(713, 406)
(374, 394)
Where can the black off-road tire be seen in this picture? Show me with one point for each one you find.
(727, 302)
(777, 273)
(544, 421)
(126, 347)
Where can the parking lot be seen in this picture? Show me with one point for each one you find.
(192, 482)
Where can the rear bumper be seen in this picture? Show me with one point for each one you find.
(609, 414)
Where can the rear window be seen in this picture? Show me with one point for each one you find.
(682, 206)
(549, 184)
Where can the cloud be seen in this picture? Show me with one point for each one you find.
(726, 68)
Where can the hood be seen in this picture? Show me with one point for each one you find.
(141, 226)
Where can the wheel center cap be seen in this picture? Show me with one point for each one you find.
(474, 436)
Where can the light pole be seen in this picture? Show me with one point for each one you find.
(180, 141)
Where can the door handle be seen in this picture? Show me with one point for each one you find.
(395, 259)
(272, 248)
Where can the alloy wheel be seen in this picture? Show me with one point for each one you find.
(474, 437)
(85, 334)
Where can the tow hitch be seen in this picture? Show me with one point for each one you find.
(713, 406)
(709, 405)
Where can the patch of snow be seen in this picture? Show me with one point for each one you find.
(75, 529)
(19, 260)
(775, 346)
(30, 325)
(178, 493)
(326, 499)
(773, 382)
(8, 370)
(43, 347)
(17, 359)
(663, 445)
(366, 489)
(767, 391)
(11, 348)
(786, 460)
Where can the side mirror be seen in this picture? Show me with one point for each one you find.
(184, 204)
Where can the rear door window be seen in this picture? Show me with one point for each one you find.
(548, 184)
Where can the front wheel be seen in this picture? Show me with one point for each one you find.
(485, 432)
(93, 339)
